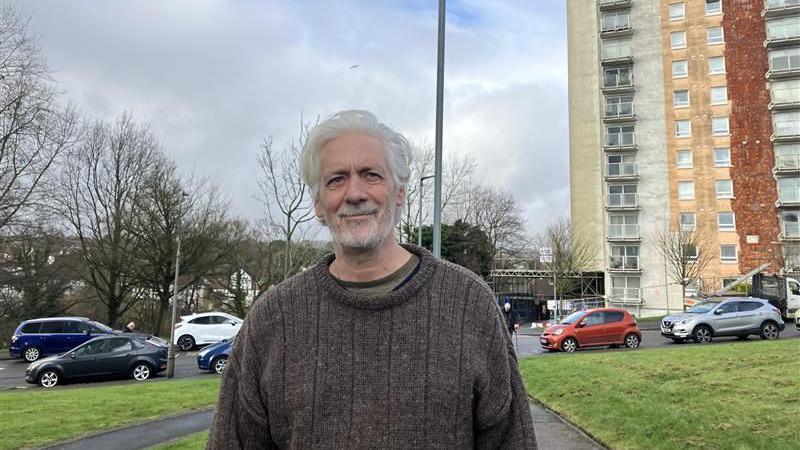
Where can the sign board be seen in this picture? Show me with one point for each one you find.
(752, 239)
(545, 255)
(551, 305)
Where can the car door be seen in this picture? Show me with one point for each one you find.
(201, 329)
(614, 327)
(591, 333)
(724, 318)
(748, 320)
(116, 357)
(228, 328)
(216, 328)
(55, 338)
(83, 361)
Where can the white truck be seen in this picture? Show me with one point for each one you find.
(781, 291)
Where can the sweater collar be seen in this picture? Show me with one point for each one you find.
(427, 267)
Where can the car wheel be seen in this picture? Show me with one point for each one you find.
(569, 345)
(31, 354)
(186, 342)
(702, 334)
(219, 364)
(632, 341)
(769, 331)
(141, 371)
(48, 378)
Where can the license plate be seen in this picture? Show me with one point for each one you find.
(543, 340)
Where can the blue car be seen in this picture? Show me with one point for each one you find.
(214, 357)
(53, 335)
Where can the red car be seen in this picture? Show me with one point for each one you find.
(592, 328)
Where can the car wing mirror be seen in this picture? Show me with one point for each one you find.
(73, 355)
(580, 324)
(87, 333)
(718, 311)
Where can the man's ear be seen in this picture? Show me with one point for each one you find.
(401, 196)
(318, 211)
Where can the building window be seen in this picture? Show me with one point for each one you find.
(623, 226)
(619, 136)
(680, 69)
(787, 156)
(621, 165)
(785, 28)
(726, 221)
(622, 195)
(625, 257)
(719, 126)
(687, 221)
(690, 252)
(790, 223)
(617, 77)
(786, 123)
(619, 106)
(713, 7)
(722, 157)
(684, 159)
(719, 95)
(784, 60)
(716, 65)
(789, 190)
(678, 39)
(715, 36)
(616, 49)
(787, 91)
(685, 190)
(681, 99)
(677, 11)
(626, 288)
(616, 21)
(692, 286)
(728, 253)
(683, 128)
(724, 188)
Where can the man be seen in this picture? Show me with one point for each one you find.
(510, 318)
(379, 345)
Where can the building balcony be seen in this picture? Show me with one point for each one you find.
(790, 200)
(622, 171)
(623, 232)
(780, 42)
(619, 113)
(617, 61)
(628, 264)
(616, 32)
(625, 296)
(624, 201)
(778, 74)
(783, 138)
(780, 8)
(786, 165)
(618, 88)
(784, 105)
(620, 142)
(611, 5)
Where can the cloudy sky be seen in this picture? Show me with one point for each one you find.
(215, 77)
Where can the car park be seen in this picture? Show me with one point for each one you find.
(135, 355)
(592, 328)
(52, 335)
(205, 328)
(214, 358)
(737, 316)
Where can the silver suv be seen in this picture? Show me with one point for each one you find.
(740, 316)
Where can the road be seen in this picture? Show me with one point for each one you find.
(12, 372)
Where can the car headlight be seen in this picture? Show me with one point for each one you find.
(14, 339)
(683, 322)
(559, 331)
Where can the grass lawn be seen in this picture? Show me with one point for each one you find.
(732, 396)
(190, 442)
(36, 416)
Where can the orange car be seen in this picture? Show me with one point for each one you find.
(592, 328)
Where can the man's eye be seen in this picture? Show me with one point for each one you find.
(373, 176)
(335, 181)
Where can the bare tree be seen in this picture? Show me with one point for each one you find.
(34, 128)
(497, 213)
(285, 197)
(686, 253)
(101, 189)
(572, 254)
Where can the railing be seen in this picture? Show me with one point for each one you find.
(614, 4)
(787, 162)
(623, 231)
(625, 295)
(624, 139)
(622, 169)
(770, 5)
(618, 110)
(791, 230)
(624, 263)
(623, 200)
(786, 196)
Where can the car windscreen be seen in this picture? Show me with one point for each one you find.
(102, 327)
(702, 307)
(572, 318)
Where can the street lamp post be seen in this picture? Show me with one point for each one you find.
(419, 213)
(437, 191)
(171, 351)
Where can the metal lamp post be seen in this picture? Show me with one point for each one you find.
(437, 193)
(171, 352)
(419, 213)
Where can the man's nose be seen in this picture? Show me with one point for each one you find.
(356, 190)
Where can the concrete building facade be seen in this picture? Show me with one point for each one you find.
(673, 106)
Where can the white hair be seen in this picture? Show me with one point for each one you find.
(398, 150)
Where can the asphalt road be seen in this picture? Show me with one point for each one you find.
(12, 372)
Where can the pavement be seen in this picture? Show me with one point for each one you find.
(552, 433)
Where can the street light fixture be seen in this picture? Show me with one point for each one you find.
(171, 351)
(419, 227)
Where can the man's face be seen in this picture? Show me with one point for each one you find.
(357, 196)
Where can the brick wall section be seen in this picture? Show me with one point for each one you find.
(752, 155)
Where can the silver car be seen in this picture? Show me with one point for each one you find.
(740, 316)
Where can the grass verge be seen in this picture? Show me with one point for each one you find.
(35, 417)
(190, 442)
(738, 395)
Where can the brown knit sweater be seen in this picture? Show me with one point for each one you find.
(429, 365)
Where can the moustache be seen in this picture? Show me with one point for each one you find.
(350, 210)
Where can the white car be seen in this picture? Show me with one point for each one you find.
(205, 328)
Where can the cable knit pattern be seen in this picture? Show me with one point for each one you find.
(429, 365)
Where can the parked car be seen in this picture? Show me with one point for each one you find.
(135, 355)
(737, 316)
(592, 328)
(51, 335)
(215, 356)
(205, 328)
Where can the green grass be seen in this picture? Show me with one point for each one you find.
(35, 417)
(730, 396)
(190, 442)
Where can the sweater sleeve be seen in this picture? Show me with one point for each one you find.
(502, 413)
(241, 418)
